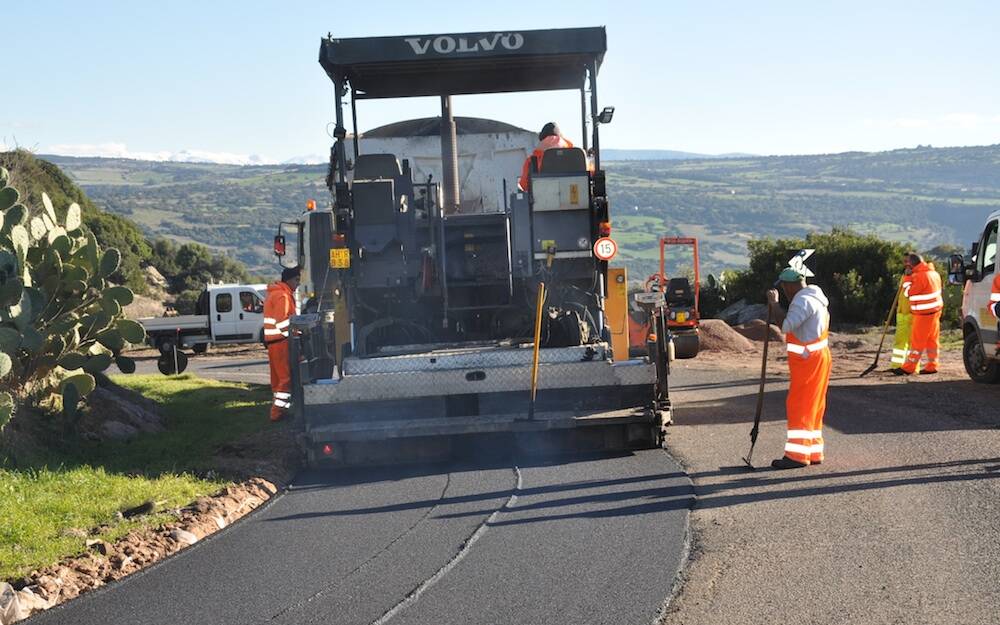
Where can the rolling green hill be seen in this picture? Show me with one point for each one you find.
(925, 196)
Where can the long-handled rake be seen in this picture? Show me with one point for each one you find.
(885, 330)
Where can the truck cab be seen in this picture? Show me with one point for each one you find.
(235, 311)
(225, 314)
(976, 273)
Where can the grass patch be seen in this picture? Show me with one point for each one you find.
(79, 484)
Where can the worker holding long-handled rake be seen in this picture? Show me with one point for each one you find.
(806, 326)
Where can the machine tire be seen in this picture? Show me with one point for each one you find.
(199, 348)
(165, 363)
(979, 368)
(686, 345)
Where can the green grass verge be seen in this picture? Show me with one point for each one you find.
(82, 484)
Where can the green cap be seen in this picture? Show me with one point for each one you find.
(790, 275)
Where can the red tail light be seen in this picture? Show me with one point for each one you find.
(328, 449)
(604, 229)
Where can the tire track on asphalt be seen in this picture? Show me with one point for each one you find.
(340, 582)
(458, 557)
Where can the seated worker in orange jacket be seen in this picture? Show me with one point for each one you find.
(279, 305)
(550, 137)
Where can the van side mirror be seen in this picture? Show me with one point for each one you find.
(279, 245)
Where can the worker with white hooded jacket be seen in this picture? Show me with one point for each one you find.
(807, 327)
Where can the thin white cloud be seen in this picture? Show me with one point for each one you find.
(120, 150)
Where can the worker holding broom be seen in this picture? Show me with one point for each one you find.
(806, 326)
(904, 318)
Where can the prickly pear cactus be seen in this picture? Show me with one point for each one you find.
(61, 322)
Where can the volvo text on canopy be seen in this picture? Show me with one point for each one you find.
(420, 311)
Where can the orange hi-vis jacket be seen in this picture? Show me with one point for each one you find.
(925, 291)
(279, 305)
(549, 142)
(926, 305)
(995, 296)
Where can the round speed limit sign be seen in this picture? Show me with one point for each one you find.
(605, 248)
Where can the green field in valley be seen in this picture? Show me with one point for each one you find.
(925, 196)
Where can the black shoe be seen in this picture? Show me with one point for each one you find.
(926, 372)
(900, 372)
(787, 463)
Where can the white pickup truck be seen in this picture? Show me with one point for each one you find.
(979, 326)
(226, 314)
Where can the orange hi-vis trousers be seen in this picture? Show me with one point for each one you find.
(924, 338)
(809, 367)
(281, 378)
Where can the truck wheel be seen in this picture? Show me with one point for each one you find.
(199, 348)
(165, 363)
(980, 368)
(165, 345)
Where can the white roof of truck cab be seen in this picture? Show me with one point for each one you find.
(252, 287)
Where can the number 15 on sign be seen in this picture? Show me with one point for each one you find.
(605, 248)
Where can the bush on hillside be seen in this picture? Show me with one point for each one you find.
(33, 177)
(190, 266)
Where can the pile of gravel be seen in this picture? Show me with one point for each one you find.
(717, 336)
(755, 331)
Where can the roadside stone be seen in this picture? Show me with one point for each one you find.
(11, 609)
(184, 536)
(117, 431)
(219, 522)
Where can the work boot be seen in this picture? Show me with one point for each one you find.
(900, 372)
(927, 372)
(785, 462)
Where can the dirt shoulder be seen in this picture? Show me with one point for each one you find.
(896, 526)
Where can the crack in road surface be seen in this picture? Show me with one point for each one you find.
(458, 557)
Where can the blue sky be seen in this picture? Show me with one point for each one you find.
(767, 77)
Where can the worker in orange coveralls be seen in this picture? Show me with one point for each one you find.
(807, 327)
(279, 305)
(550, 137)
(926, 305)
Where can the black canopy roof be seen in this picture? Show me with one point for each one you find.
(464, 63)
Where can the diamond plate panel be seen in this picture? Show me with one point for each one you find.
(472, 358)
(404, 385)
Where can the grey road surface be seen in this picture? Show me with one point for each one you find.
(249, 367)
(900, 524)
(578, 540)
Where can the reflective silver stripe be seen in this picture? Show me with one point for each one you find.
(906, 289)
(280, 395)
(795, 348)
(898, 360)
(817, 448)
(269, 320)
(282, 404)
(995, 297)
(270, 332)
(282, 324)
(800, 434)
(796, 448)
(916, 307)
(925, 297)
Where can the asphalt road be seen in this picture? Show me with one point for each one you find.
(900, 524)
(596, 539)
(247, 366)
